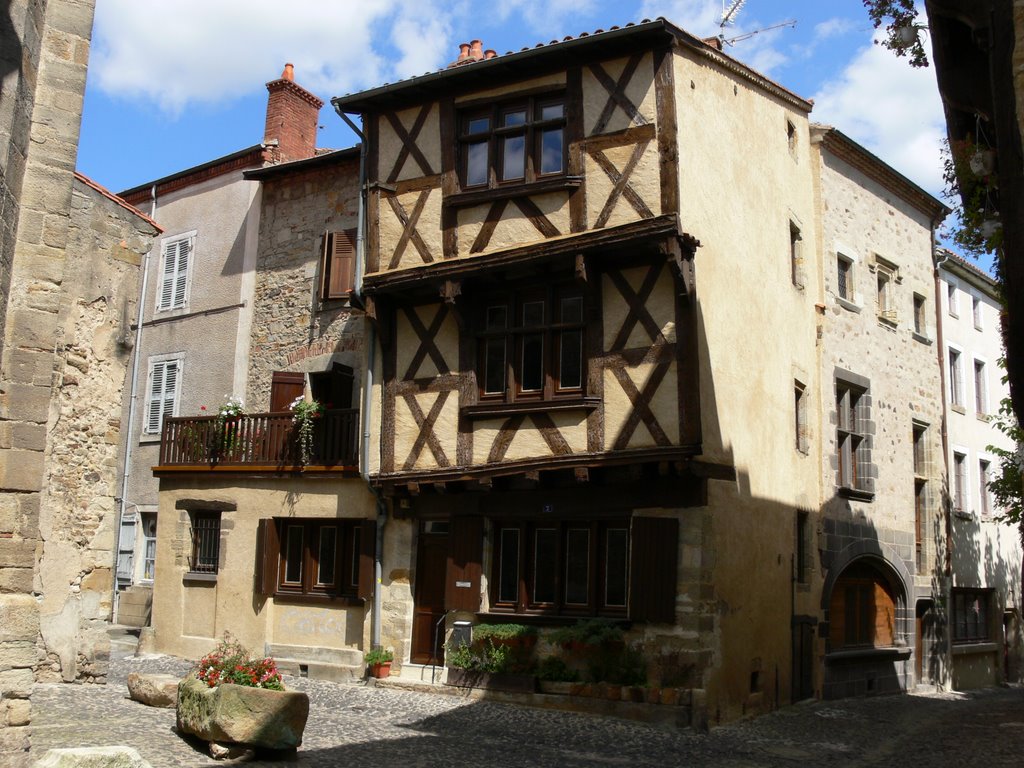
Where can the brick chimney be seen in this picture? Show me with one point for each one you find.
(293, 114)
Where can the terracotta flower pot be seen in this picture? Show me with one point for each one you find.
(381, 670)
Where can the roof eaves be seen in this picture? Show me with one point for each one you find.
(295, 166)
(117, 199)
(225, 160)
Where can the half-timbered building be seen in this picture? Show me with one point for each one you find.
(585, 276)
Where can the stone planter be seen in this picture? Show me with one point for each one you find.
(237, 714)
(505, 681)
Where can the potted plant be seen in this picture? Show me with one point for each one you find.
(379, 661)
(305, 413)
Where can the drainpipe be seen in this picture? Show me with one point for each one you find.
(947, 566)
(132, 398)
(367, 404)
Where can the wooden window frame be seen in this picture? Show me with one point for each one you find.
(337, 265)
(532, 131)
(859, 623)
(967, 628)
(526, 568)
(852, 442)
(347, 545)
(551, 331)
(204, 535)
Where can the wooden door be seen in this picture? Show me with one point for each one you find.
(285, 386)
(428, 612)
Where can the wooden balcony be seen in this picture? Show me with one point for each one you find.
(259, 442)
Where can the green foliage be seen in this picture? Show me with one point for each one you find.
(1007, 482)
(480, 657)
(970, 194)
(484, 632)
(588, 632)
(378, 656)
(305, 413)
(555, 669)
(902, 29)
(230, 662)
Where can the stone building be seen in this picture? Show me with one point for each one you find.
(70, 256)
(194, 338)
(881, 537)
(984, 626)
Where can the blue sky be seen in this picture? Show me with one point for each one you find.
(175, 83)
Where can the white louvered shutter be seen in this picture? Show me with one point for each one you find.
(174, 280)
(162, 395)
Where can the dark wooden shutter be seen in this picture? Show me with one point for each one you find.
(285, 386)
(465, 553)
(339, 256)
(268, 549)
(653, 569)
(367, 553)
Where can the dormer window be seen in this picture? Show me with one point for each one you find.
(512, 142)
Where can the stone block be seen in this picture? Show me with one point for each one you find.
(12, 740)
(27, 366)
(20, 471)
(15, 580)
(33, 329)
(27, 437)
(25, 402)
(17, 553)
(19, 618)
(153, 690)
(93, 757)
(236, 714)
(16, 683)
(17, 654)
(19, 712)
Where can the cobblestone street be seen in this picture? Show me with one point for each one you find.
(355, 725)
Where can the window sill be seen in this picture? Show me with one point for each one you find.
(963, 514)
(921, 338)
(207, 578)
(856, 494)
(477, 196)
(886, 322)
(297, 599)
(847, 304)
(548, 619)
(338, 302)
(149, 439)
(958, 409)
(983, 417)
(490, 410)
(964, 647)
(888, 652)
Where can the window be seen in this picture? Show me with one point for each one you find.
(149, 546)
(162, 390)
(920, 490)
(519, 141)
(959, 481)
(337, 264)
(952, 305)
(795, 255)
(175, 268)
(970, 615)
(956, 379)
(985, 506)
(920, 322)
(853, 451)
(800, 416)
(862, 609)
(561, 567)
(205, 557)
(530, 345)
(318, 557)
(976, 311)
(980, 395)
(791, 138)
(887, 276)
(844, 278)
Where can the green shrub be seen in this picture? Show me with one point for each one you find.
(483, 632)
(554, 669)
(589, 632)
(480, 657)
(378, 656)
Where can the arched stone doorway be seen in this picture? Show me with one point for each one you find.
(870, 626)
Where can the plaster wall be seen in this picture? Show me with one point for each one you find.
(190, 616)
(757, 337)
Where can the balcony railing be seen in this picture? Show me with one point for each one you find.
(259, 439)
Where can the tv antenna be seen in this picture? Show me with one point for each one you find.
(729, 15)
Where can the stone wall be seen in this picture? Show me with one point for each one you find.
(292, 329)
(78, 515)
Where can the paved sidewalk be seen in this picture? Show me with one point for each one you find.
(355, 725)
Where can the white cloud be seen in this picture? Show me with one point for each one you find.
(542, 17)
(833, 28)
(891, 108)
(698, 17)
(175, 54)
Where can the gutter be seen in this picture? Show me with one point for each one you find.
(947, 566)
(367, 404)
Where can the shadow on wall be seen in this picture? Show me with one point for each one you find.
(10, 45)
